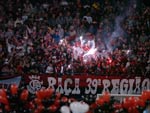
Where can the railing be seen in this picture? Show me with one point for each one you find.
(120, 97)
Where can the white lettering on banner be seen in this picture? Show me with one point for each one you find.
(88, 90)
(115, 86)
(137, 85)
(92, 86)
(131, 81)
(35, 84)
(67, 90)
(124, 86)
(69, 86)
(76, 89)
(106, 85)
(60, 88)
(145, 84)
(51, 82)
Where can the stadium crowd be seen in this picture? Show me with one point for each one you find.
(38, 36)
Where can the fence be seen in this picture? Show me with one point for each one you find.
(120, 97)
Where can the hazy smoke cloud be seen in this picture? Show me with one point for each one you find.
(118, 30)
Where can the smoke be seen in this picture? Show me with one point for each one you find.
(88, 50)
(118, 30)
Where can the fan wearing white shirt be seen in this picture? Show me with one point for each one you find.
(49, 69)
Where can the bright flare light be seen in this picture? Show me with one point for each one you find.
(127, 52)
(82, 41)
(90, 52)
(80, 51)
(109, 60)
(61, 42)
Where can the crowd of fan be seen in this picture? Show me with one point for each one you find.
(30, 34)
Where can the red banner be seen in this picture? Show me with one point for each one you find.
(82, 84)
